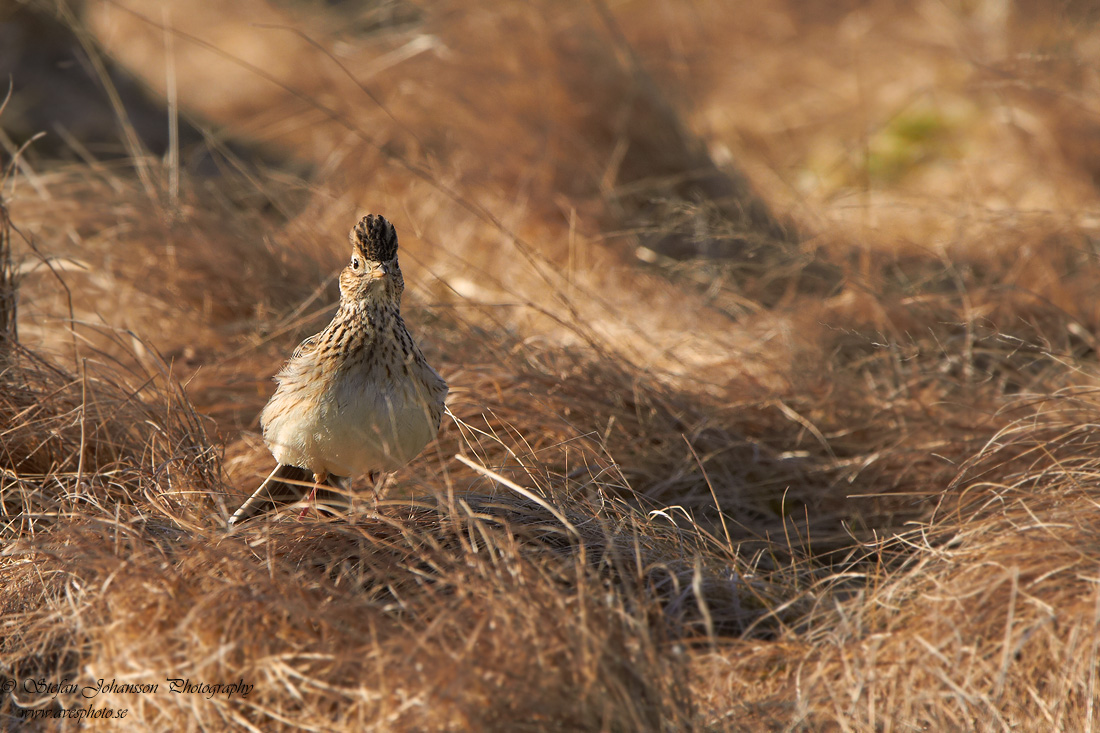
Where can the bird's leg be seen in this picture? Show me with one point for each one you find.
(318, 479)
(372, 476)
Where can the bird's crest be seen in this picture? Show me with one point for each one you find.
(375, 238)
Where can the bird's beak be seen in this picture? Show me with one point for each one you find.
(379, 272)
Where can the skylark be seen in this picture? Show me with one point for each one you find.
(357, 398)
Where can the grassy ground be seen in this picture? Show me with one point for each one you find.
(771, 337)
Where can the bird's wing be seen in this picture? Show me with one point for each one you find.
(306, 346)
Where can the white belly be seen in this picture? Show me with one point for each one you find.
(355, 427)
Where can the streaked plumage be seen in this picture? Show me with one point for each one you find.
(358, 397)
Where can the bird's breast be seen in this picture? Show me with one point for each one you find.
(370, 405)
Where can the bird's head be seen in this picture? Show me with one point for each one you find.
(373, 274)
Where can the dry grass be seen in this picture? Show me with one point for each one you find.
(805, 444)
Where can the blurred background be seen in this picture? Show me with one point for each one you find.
(812, 283)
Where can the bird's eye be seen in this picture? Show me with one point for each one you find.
(355, 263)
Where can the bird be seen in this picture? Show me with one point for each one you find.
(359, 397)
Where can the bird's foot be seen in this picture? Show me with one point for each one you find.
(318, 479)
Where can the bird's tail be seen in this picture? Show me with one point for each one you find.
(285, 485)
